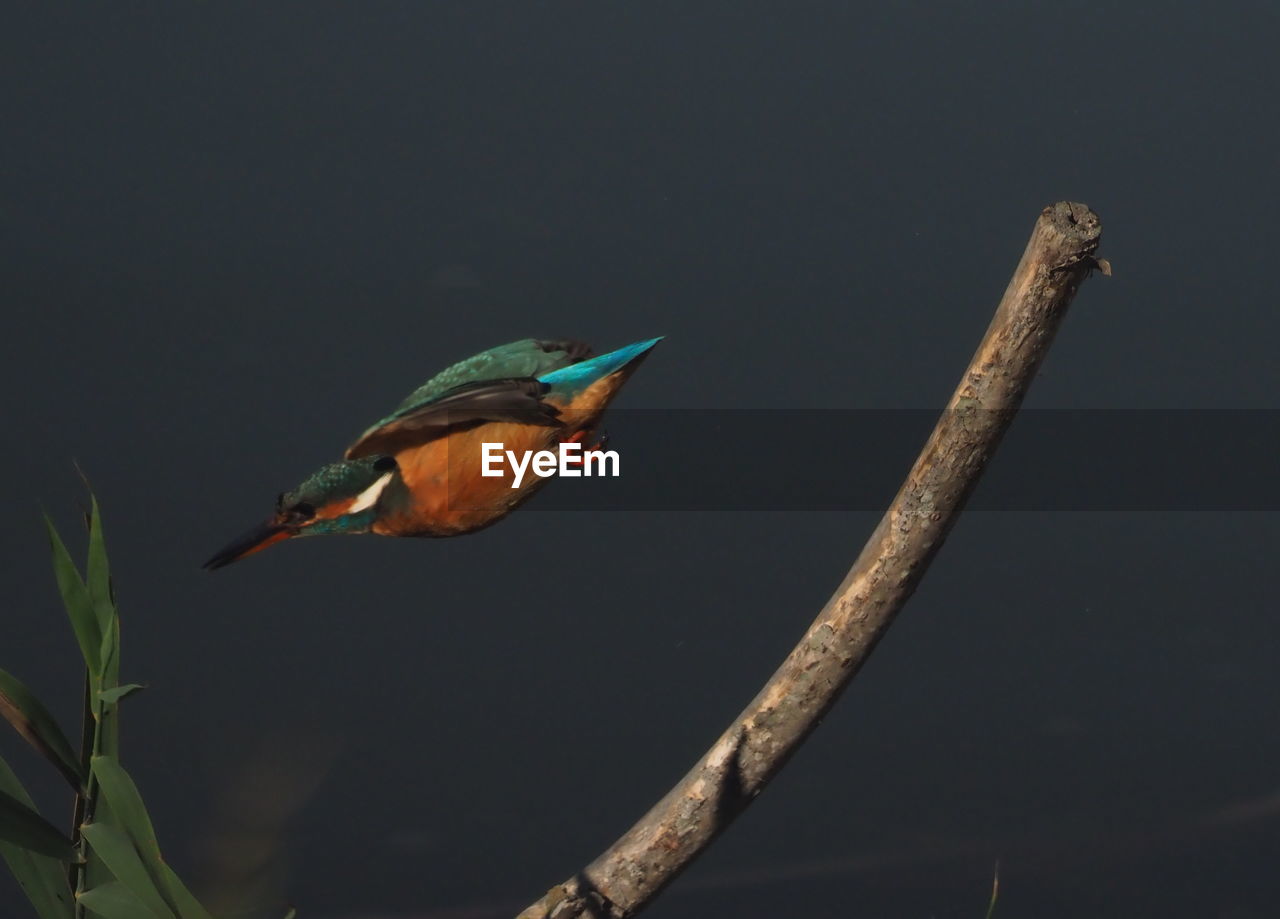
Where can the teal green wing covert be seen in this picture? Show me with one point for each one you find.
(517, 359)
(492, 384)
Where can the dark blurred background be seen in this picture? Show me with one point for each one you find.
(234, 234)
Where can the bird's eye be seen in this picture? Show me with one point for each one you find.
(384, 463)
(303, 511)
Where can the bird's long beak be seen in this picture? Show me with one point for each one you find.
(257, 539)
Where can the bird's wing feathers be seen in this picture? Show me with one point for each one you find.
(516, 360)
(489, 400)
(495, 385)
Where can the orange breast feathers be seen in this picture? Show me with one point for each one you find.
(451, 497)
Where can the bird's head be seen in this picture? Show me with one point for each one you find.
(337, 498)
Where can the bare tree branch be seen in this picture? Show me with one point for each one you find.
(736, 769)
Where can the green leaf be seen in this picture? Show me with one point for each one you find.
(98, 579)
(114, 901)
(126, 804)
(109, 652)
(188, 906)
(42, 879)
(110, 730)
(121, 795)
(121, 856)
(98, 572)
(21, 825)
(96, 872)
(75, 596)
(112, 696)
(33, 721)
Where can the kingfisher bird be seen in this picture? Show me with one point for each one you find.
(417, 472)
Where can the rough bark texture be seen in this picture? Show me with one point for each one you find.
(666, 840)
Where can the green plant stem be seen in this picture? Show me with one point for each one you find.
(86, 803)
(86, 745)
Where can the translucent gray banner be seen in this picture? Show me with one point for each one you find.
(844, 460)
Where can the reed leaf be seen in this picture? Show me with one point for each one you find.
(98, 572)
(115, 901)
(122, 795)
(20, 707)
(42, 879)
(119, 853)
(23, 826)
(75, 597)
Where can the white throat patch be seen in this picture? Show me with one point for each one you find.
(369, 496)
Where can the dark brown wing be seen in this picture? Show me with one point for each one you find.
(518, 400)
